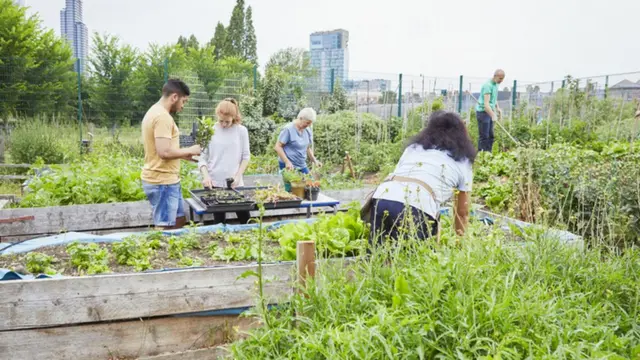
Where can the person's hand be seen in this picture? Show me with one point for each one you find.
(207, 183)
(236, 182)
(317, 164)
(638, 114)
(494, 117)
(289, 165)
(194, 150)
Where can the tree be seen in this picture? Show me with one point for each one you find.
(115, 87)
(250, 40)
(388, 97)
(191, 43)
(36, 67)
(235, 32)
(286, 75)
(338, 100)
(218, 41)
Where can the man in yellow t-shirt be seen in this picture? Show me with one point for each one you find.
(162, 155)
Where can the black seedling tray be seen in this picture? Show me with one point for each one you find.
(229, 204)
(245, 205)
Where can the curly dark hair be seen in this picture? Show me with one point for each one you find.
(446, 131)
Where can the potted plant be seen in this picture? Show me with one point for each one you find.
(291, 177)
(311, 190)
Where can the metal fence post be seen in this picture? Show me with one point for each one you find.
(460, 96)
(166, 70)
(400, 96)
(255, 78)
(513, 95)
(606, 86)
(79, 102)
(563, 83)
(333, 80)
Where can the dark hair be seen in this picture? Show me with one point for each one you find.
(446, 131)
(175, 86)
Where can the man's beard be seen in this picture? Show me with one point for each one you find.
(174, 109)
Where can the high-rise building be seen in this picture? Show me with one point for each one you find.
(75, 31)
(329, 52)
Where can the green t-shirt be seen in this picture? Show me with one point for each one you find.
(491, 88)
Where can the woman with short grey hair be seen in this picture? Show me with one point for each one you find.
(293, 145)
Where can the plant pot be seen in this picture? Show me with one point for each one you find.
(297, 189)
(229, 182)
(287, 187)
(311, 194)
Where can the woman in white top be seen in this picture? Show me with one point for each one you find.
(434, 168)
(227, 155)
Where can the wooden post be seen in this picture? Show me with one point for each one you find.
(350, 164)
(306, 259)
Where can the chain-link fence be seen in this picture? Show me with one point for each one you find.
(123, 96)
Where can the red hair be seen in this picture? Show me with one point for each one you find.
(229, 107)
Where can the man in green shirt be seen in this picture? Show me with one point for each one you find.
(488, 110)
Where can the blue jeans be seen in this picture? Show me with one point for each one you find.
(304, 170)
(485, 131)
(166, 201)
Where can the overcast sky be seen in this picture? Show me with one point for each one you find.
(532, 40)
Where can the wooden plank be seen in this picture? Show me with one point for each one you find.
(201, 354)
(38, 303)
(55, 219)
(123, 340)
(15, 166)
(14, 177)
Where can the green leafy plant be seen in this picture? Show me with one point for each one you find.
(89, 258)
(135, 251)
(39, 263)
(206, 130)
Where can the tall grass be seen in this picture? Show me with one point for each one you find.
(480, 298)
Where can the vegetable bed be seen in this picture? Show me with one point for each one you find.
(343, 234)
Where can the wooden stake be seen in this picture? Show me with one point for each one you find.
(350, 164)
(306, 259)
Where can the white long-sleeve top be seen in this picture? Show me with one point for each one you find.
(227, 149)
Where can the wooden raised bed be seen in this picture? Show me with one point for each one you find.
(129, 316)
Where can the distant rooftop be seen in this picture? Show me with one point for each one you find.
(329, 32)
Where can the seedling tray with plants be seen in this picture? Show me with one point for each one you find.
(244, 199)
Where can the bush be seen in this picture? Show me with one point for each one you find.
(260, 134)
(336, 133)
(34, 139)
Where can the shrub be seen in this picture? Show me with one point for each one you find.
(336, 133)
(33, 139)
(260, 134)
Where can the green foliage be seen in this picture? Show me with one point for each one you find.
(261, 131)
(342, 234)
(36, 66)
(114, 81)
(35, 139)
(479, 298)
(235, 38)
(89, 258)
(286, 76)
(98, 178)
(337, 101)
(39, 263)
(177, 245)
(135, 251)
(250, 45)
(206, 130)
(336, 133)
(388, 97)
(218, 41)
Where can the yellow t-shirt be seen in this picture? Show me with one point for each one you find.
(158, 123)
